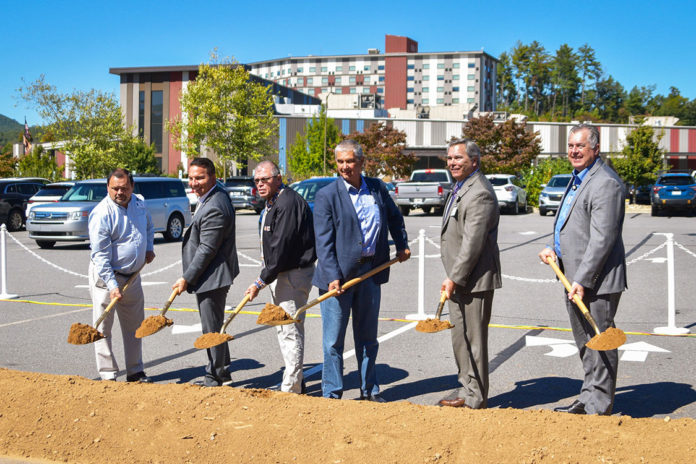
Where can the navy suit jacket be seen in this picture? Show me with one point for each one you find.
(339, 238)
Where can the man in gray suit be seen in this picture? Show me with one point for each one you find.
(209, 259)
(590, 250)
(469, 248)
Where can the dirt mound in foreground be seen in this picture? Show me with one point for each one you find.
(73, 419)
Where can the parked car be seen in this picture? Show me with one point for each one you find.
(244, 193)
(49, 193)
(642, 192)
(192, 197)
(308, 188)
(427, 189)
(675, 192)
(391, 188)
(510, 192)
(66, 220)
(550, 197)
(15, 192)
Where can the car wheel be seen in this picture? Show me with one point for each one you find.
(523, 208)
(426, 209)
(14, 220)
(542, 211)
(653, 211)
(258, 210)
(405, 210)
(175, 228)
(45, 244)
(439, 211)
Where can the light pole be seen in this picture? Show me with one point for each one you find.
(326, 111)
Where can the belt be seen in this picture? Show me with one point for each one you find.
(366, 259)
(123, 274)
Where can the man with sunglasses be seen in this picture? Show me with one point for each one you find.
(287, 251)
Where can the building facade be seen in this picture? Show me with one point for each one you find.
(401, 77)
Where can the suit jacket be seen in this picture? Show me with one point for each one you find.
(209, 254)
(339, 238)
(287, 235)
(591, 243)
(469, 237)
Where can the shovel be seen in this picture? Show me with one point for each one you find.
(154, 324)
(435, 325)
(211, 339)
(611, 339)
(83, 334)
(275, 315)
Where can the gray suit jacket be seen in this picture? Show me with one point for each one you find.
(209, 254)
(469, 237)
(591, 245)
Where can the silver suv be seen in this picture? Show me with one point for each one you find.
(66, 220)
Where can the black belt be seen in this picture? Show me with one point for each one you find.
(366, 259)
(128, 276)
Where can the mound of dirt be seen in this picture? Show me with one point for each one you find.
(73, 419)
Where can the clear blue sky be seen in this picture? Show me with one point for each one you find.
(74, 43)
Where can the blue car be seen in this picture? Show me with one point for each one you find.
(308, 188)
(675, 192)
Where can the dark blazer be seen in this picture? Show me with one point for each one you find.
(287, 235)
(469, 237)
(338, 235)
(591, 243)
(209, 254)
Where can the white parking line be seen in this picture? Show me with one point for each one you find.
(44, 317)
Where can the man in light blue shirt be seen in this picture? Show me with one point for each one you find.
(121, 237)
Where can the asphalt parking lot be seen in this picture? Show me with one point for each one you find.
(534, 363)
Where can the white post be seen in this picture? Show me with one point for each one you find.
(671, 328)
(3, 265)
(420, 315)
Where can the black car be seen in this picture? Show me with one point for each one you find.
(15, 192)
(244, 193)
(642, 193)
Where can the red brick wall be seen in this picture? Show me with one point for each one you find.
(174, 112)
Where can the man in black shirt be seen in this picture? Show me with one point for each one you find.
(287, 248)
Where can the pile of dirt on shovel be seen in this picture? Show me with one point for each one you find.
(73, 419)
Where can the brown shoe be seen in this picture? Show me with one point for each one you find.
(455, 403)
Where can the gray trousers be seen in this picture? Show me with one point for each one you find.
(600, 367)
(290, 291)
(211, 307)
(130, 310)
(470, 314)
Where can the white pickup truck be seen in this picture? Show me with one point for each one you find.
(427, 189)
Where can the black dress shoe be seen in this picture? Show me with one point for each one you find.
(576, 408)
(454, 403)
(138, 377)
(374, 398)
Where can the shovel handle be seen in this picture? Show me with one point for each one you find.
(169, 302)
(443, 298)
(576, 297)
(113, 301)
(236, 311)
(348, 284)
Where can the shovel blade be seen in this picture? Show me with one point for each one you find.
(433, 325)
(152, 325)
(274, 315)
(610, 339)
(83, 334)
(211, 339)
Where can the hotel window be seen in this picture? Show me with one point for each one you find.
(324, 80)
(455, 77)
(440, 89)
(312, 69)
(470, 100)
(339, 68)
(441, 66)
(380, 89)
(440, 78)
(300, 81)
(156, 118)
(299, 70)
(366, 67)
(324, 69)
(410, 66)
(409, 78)
(426, 89)
(455, 65)
(426, 78)
(380, 67)
(409, 101)
(410, 89)
(440, 101)
(471, 77)
(455, 100)
(470, 88)
(426, 65)
(141, 113)
(338, 80)
(351, 80)
(426, 101)
(351, 68)
(353, 90)
(472, 65)
(310, 81)
(381, 78)
(366, 90)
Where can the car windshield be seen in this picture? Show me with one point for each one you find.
(559, 181)
(676, 180)
(498, 181)
(52, 191)
(429, 177)
(85, 192)
(308, 190)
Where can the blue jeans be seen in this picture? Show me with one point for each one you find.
(364, 300)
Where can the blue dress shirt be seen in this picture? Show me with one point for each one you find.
(367, 210)
(564, 210)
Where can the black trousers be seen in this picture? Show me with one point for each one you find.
(211, 307)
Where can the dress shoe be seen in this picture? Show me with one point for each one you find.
(454, 403)
(138, 377)
(374, 398)
(576, 408)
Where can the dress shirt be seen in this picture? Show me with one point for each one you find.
(368, 215)
(564, 210)
(119, 238)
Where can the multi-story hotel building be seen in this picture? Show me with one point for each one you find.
(401, 77)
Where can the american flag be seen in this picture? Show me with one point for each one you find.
(27, 137)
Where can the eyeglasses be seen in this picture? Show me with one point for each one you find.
(263, 180)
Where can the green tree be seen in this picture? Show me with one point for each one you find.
(383, 151)
(535, 177)
(226, 111)
(674, 104)
(138, 156)
(590, 70)
(39, 164)
(89, 122)
(564, 77)
(7, 161)
(609, 99)
(641, 158)
(505, 84)
(505, 148)
(306, 154)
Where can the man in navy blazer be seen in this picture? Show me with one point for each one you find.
(351, 219)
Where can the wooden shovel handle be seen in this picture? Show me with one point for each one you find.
(576, 297)
(169, 302)
(443, 298)
(113, 301)
(236, 311)
(348, 284)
